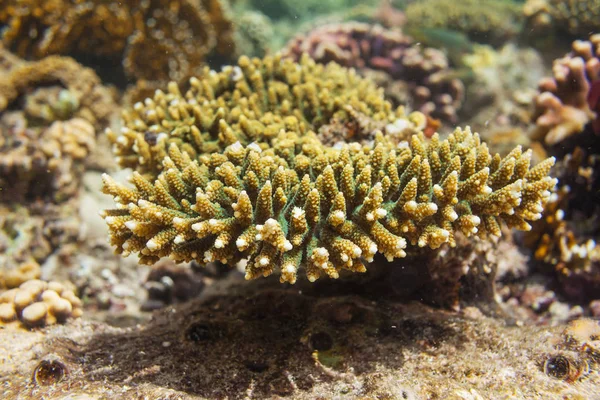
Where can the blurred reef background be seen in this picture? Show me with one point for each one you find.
(333, 199)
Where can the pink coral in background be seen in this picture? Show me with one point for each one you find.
(570, 99)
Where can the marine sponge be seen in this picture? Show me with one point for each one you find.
(408, 70)
(298, 203)
(249, 102)
(38, 303)
(570, 99)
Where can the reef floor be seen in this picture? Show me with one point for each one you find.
(261, 340)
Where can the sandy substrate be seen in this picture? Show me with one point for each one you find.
(263, 341)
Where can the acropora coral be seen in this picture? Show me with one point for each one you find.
(570, 99)
(284, 200)
(411, 75)
(484, 21)
(250, 102)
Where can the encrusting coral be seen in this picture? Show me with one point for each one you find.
(156, 40)
(283, 200)
(417, 77)
(571, 98)
(250, 102)
(38, 303)
(61, 88)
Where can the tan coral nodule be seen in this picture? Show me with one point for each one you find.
(38, 303)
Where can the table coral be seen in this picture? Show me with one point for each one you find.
(249, 102)
(156, 40)
(38, 303)
(575, 17)
(417, 77)
(569, 100)
(485, 21)
(299, 203)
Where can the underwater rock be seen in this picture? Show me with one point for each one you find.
(258, 342)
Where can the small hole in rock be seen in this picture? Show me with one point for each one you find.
(49, 372)
(200, 332)
(557, 367)
(256, 366)
(321, 341)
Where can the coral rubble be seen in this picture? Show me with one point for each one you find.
(285, 200)
(411, 75)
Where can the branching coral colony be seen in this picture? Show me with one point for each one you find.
(266, 190)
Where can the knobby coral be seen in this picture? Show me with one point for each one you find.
(569, 100)
(42, 163)
(250, 102)
(421, 74)
(38, 303)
